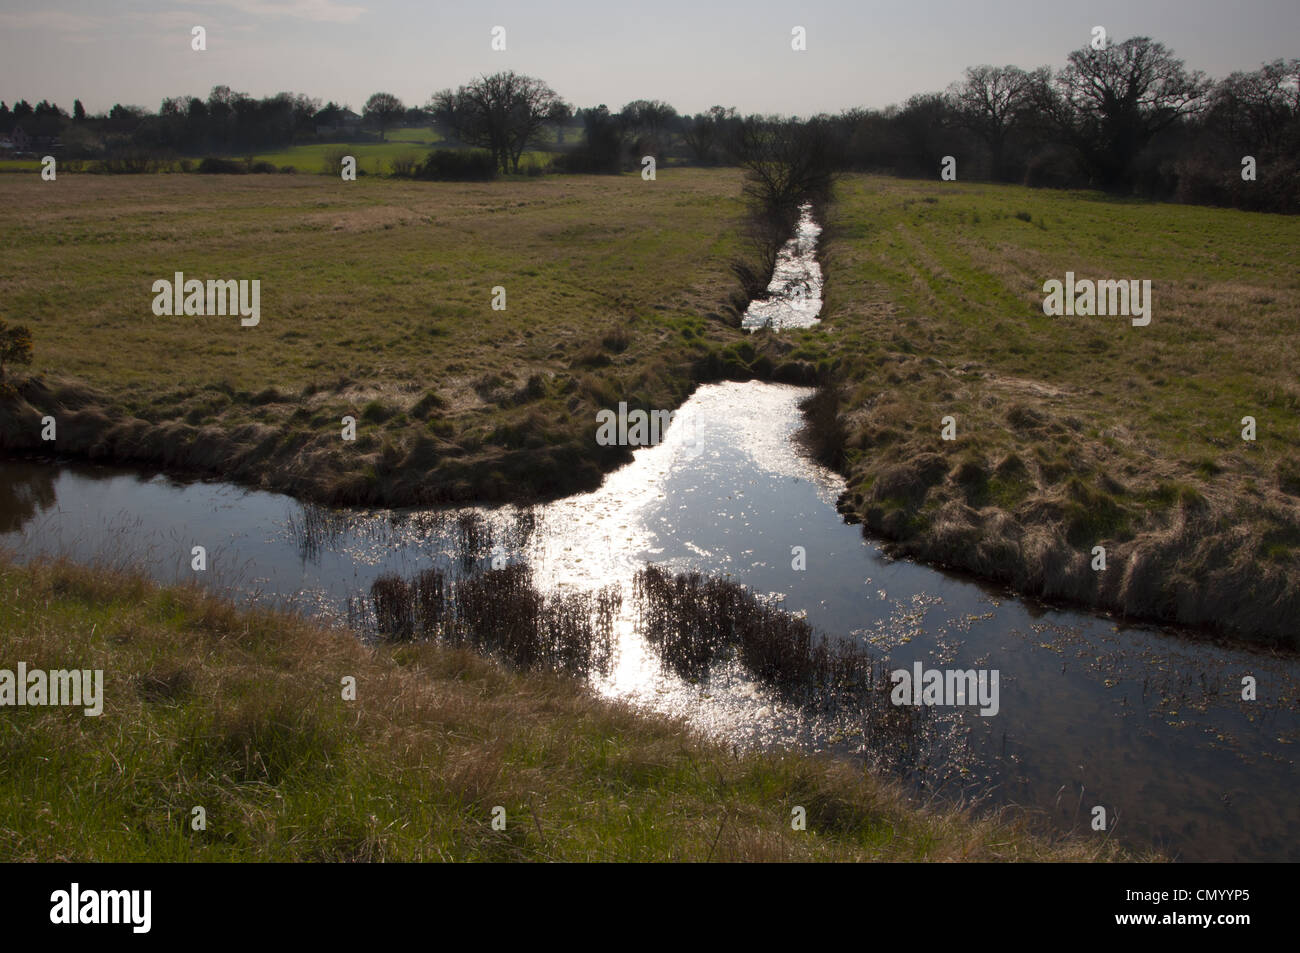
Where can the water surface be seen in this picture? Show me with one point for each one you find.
(794, 295)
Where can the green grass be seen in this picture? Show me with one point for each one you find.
(241, 713)
(374, 158)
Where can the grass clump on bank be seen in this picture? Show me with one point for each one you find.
(240, 712)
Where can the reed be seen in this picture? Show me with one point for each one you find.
(499, 612)
(315, 528)
(697, 624)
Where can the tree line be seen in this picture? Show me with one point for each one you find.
(1128, 118)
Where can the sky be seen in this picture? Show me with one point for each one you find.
(691, 54)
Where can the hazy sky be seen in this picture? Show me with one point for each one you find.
(691, 53)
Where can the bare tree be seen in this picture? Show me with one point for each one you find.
(648, 123)
(1110, 103)
(991, 100)
(560, 115)
(704, 133)
(1256, 109)
(502, 113)
(789, 161)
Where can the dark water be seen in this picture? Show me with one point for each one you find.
(1142, 721)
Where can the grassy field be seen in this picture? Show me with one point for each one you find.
(242, 714)
(1072, 432)
(374, 158)
(376, 302)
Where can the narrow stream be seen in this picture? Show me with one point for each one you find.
(794, 295)
(1141, 720)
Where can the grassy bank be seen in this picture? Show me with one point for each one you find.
(1071, 432)
(241, 713)
(376, 303)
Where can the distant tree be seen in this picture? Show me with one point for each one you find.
(990, 101)
(502, 113)
(221, 96)
(1110, 103)
(304, 111)
(22, 109)
(15, 347)
(383, 109)
(1257, 110)
(560, 114)
(197, 130)
(329, 115)
(78, 110)
(705, 132)
(602, 147)
(926, 127)
(648, 122)
(788, 161)
(124, 118)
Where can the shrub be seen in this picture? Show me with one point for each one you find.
(215, 165)
(427, 404)
(334, 161)
(405, 167)
(458, 165)
(376, 411)
(15, 347)
(127, 162)
(616, 340)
